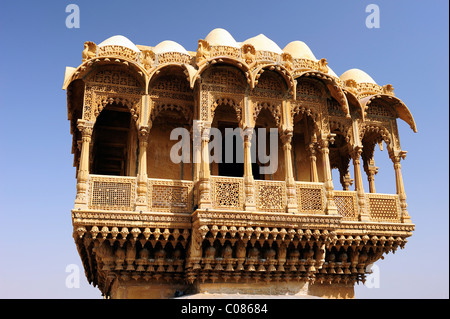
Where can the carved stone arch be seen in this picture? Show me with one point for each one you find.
(112, 84)
(88, 67)
(159, 107)
(380, 132)
(180, 70)
(285, 74)
(227, 101)
(333, 88)
(354, 105)
(218, 82)
(308, 110)
(169, 89)
(401, 110)
(223, 62)
(273, 108)
(343, 127)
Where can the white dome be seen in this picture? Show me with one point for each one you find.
(221, 37)
(263, 43)
(358, 75)
(299, 50)
(169, 46)
(119, 40)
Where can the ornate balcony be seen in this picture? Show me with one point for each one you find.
(146, 225)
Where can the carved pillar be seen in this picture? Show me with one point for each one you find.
(371, 170)
(142, 179)
(356, 155)
(313, 163)
(204, 200)
(286, 138)
(396, 157)
(325, 152)
(249, 183)
(86, 129)
(196, 135)
(347, 180)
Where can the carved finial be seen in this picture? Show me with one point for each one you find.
(203, 51)
(249, 54)
(323, 65)
(388, 89)
(90, 50)
(288, 61)
(148, 57)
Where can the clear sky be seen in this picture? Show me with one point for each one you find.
(410, 50)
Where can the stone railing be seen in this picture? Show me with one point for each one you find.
(118, 193)
(167, 195)
(347, 204)
(227, 192)
(111, 192)
(310, 197)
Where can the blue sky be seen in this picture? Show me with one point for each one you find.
(410, 50)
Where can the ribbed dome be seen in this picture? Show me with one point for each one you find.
(299, 50)
(119, 40)
(169, 46)
(221, 37)
(358, 75)
(263, 43)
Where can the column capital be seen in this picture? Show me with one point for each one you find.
(286, 136)
(85, 127)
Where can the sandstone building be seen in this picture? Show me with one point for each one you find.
(146, 226)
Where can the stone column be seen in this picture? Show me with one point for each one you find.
(142, 179)
(205, 200)
(356, 155)
(286, 138)
(325, 152)
(196, 135)
(396, 156)
(86, 129)
(249, 183)
(371, 170)
(313, 163)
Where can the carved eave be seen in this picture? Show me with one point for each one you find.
(281, 70)
(223, 60)
(333, 86)
(400, 107)
(86, 67)
(353, 100)
(188, 70)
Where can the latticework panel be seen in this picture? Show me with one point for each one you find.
(346, 203)
(227, 192)
(270, 196)
(383, 207)
(310, 197)
(170, 195)
(112, 193)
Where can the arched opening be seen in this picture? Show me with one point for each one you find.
(269, 161)
(170, 123)
(230, 159)
(114, 143)
(305, 156)
(161, 162)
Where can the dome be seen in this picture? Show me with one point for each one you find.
(119, 40)
(299, 50)
(169, 46)
(263, 43)
(358, 75)
(331, 72)
(221, 37)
